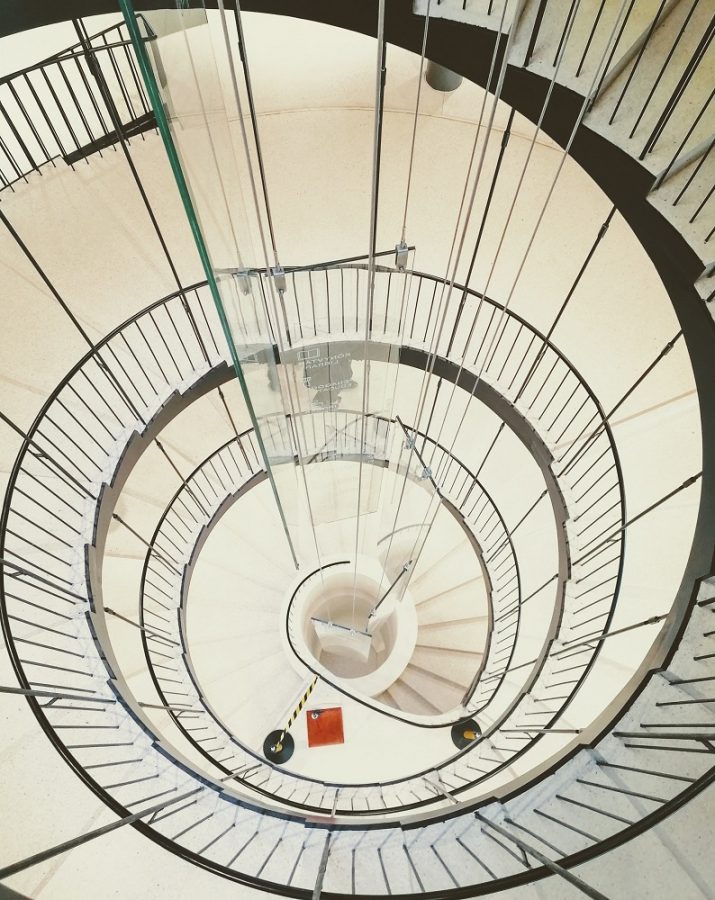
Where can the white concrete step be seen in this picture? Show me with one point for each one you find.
(214, 659)
(469, 11)
(457, 563)
(437, 690)
(385, 698)
(410, 700)
(467, 634)
(446, 544)
(461, 583)
(457, 665)
(464, 601)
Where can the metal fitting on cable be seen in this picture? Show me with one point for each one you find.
(244, 284)
(401, 253)
(279, 277)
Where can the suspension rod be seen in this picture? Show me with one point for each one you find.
(553, 867)
(403, 571)
(448, 284)
(155, 634)
(380, 78)
(243, 54)
(686, 484)
(664, 352)
(159, 555)
(414, 121)
(55, 695)
(596, 639)
(164, 130)
(96, 70)
(37, 858)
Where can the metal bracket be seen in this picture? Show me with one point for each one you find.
(243, 283)
(401, 254)
(279, 278)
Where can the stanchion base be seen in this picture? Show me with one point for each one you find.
(271, 751)
(465, 733)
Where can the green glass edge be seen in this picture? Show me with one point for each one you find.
(129, 14)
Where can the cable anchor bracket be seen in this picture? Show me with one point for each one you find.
(242, 276)
(401, 254)
(279, 279)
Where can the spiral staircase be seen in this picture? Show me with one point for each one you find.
(525, 688)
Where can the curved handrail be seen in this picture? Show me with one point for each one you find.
(193, 679)
(36, 141)
(390, 713)
(655, 816)
(187, 658)
(153, 307)
(443, 812)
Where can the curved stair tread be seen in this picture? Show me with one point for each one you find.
(221, 546)
(217, 561)
(450, 623)
(259, 641)
(238, 605)
(460, 552)
(440, 676)
(439, 691)
(410, 700)
(462, 665)
(464, 605)
(469, 635)
(441, 696)
(474, 583)
(253, 716)
(386, 699)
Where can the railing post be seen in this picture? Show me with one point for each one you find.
(37, 858)
(553, 867)
(317, 890)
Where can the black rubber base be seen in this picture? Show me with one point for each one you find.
(460, 732)
(275, 755)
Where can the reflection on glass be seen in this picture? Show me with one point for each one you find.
(347, 480)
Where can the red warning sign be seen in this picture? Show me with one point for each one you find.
(325, 726)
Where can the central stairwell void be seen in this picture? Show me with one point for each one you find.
(383, 491)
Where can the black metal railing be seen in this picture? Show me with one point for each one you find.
(69, 105)
(45, 601)
(652, 93)
(173, 334)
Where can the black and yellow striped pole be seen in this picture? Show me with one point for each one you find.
(279, 745)
(296, 712)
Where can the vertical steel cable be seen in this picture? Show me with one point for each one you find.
(487, 359)
(564, 155)
(441, 315)
(573, 11)
(449, 281)
(414, 122)
(293, 403)
(401, 326)
(376, 146)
